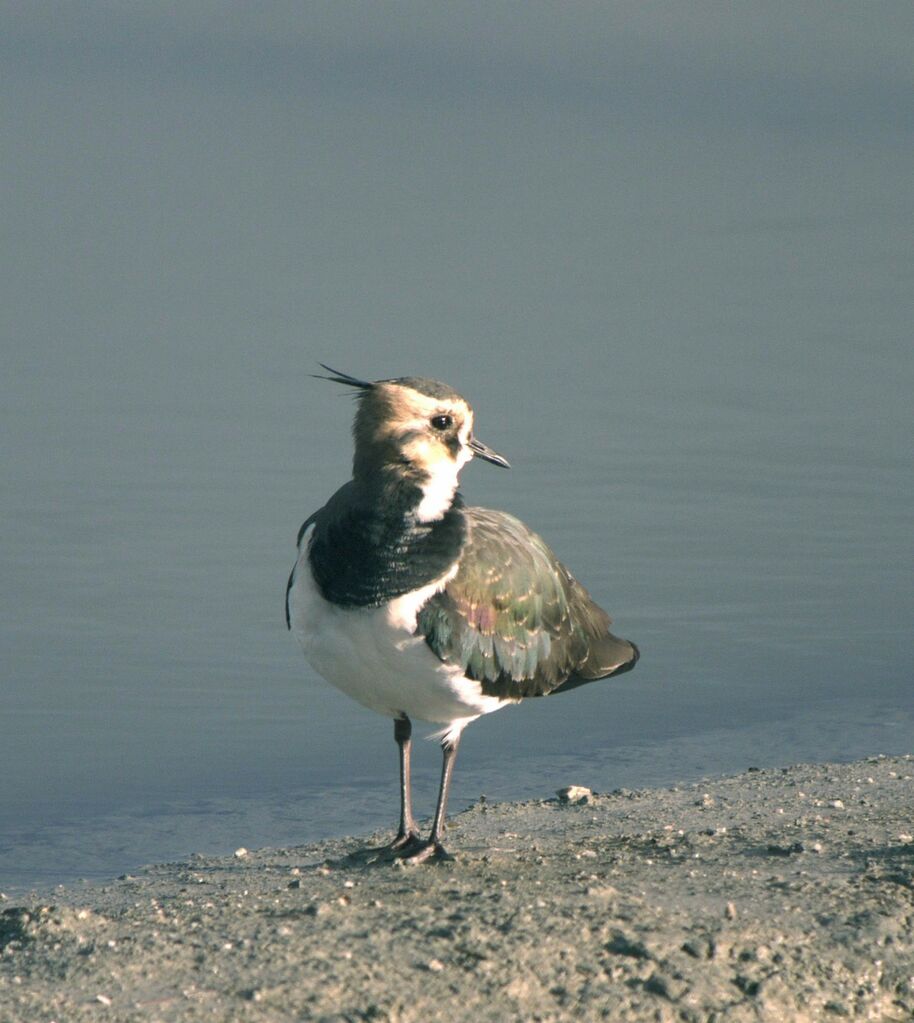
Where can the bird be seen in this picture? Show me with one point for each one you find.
(418, 605)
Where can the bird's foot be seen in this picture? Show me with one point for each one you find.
(421, 852)
(405, 842)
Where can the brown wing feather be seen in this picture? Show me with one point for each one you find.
(515, 619)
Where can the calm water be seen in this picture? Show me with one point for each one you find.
(680, 302)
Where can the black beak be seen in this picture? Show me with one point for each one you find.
(483, 451)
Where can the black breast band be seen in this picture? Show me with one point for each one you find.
(366, 555)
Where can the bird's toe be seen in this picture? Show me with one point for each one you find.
(424, 852)
(405, 842)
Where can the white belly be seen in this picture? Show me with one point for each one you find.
(373, 655)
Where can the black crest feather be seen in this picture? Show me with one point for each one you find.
(342, 378)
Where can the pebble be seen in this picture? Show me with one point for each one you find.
(603, 891)
(575, 794)
(317, 909)
(241, 853)
(786, 850)
(666, 986)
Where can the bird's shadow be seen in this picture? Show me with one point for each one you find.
(375, 857)
(367, 857)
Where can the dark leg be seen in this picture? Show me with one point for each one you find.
(408, 835)
(433, 849)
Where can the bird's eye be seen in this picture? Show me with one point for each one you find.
(442, 422)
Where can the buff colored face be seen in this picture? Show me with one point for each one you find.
(428, 433)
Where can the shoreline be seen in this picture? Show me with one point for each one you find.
(769, 895)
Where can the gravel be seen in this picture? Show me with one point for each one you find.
(773, 895)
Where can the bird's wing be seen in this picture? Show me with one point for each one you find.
(308, 522)
(515, 619)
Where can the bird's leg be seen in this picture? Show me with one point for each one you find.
(408, 834)
(433, 849)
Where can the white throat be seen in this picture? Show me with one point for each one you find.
(438, 492)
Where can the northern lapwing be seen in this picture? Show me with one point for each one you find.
(419, 606)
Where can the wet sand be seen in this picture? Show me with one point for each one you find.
(773, 895)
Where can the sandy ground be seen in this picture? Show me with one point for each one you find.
(774, 895)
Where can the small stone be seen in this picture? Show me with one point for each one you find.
(905, 837)
(317, 909)
(785, 850)
(730, 911)
(601, 891)
(294, 883)
(706, 800)
(576, 795)
(701, 947)
(435, 965)
(621, 944)
(836, 1008)
(837, 804)
(103, 999)
(667, 987)
(240, 853)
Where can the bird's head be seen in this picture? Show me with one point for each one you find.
(417, 431)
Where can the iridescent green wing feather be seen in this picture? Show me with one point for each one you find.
(513, 617)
